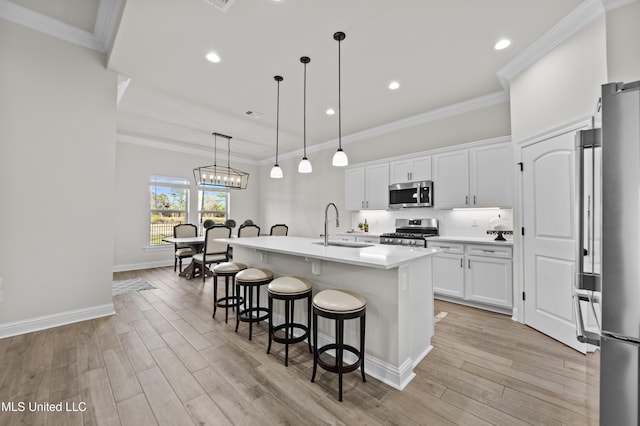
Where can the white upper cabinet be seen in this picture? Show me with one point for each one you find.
(410, 170)
(354, 188)
(490, 170)
(473, 177)
(367, 187)
(451, 179)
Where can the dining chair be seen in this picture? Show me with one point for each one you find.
(183, 250)
(248, 231)
(280, 230)
(214, 251)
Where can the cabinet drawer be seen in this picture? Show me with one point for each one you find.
(489, 251)
(367, 239)
(446, 246)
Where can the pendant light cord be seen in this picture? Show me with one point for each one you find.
(228, 153)
(304, 115)
(277, 120)
(339, 100)
(278, 79)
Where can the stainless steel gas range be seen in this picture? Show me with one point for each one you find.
(411, 232)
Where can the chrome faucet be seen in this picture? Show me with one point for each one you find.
(326, 231)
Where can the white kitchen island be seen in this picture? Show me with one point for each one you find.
(396, 281)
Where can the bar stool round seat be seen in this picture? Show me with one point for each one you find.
(289, 289)
(226, 270)
(339, 305)
(251, 279)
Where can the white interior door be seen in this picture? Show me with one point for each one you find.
(549, 240)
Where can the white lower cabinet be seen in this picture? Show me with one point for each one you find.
(448, 269)
(477, 274)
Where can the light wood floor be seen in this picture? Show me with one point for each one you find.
(163, 360)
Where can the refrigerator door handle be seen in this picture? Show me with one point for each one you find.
(582, 335)
(585, 139)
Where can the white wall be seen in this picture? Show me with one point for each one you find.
(57, 180)
(562, 86)
(623, 36)
(135, 165)
(300, 200)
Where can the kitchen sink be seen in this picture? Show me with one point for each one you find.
(345, 244)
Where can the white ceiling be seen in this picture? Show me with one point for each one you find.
(440, 51)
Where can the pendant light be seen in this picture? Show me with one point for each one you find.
(340, 158)
(305, 165)
(276, 171)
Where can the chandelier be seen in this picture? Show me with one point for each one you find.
(221, 176)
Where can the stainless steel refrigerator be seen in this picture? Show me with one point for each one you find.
(608, 279)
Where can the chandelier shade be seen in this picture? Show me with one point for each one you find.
(222, 177)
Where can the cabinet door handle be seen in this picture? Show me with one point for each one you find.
(461, 263)
(362, 204)
(469, 263)
(474, 200)
(466, 200)
(367, 203)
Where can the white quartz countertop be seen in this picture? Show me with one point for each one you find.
(478, 240)
(374, 256)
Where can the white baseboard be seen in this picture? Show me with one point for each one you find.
(145, 265)
(396, 377)
(54, 320)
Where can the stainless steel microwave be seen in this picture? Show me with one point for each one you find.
(411, 194)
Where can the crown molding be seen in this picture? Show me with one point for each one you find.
(107, 20)
(614, 4)
(434, 115)
(106, 23)
(167, 146)
(123, 83)
(577, 19)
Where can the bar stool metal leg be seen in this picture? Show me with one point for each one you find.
(315, 346)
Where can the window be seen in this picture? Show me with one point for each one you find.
(169, 201)
(213, 205)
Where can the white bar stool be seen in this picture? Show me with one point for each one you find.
(252, 279)
(226, 270)
(339, 305)
(289, 289)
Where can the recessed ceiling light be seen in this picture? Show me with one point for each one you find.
(502, 44)
(394, 85)
(213, 57)
(330, 111)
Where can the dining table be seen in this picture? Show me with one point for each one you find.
(196, 244)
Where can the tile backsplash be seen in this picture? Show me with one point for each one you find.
(453, 223)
